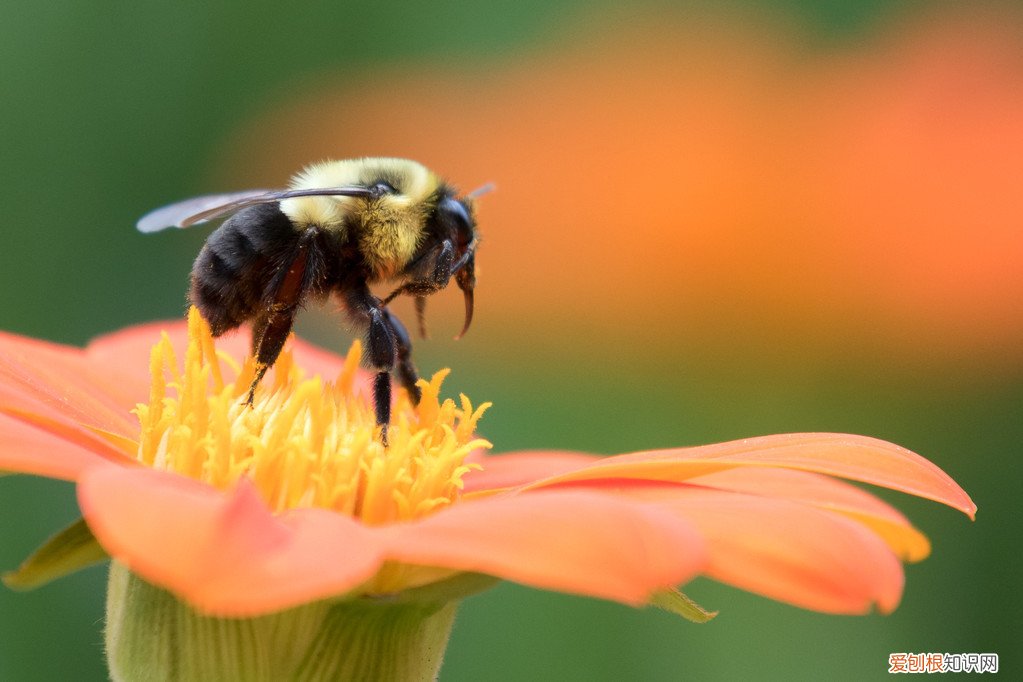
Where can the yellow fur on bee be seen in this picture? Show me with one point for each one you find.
(390, 228)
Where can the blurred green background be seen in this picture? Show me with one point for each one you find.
(108, 114)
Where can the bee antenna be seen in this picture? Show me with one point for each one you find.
(480, 191)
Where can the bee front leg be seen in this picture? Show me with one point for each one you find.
(421, 316)
(421, 287)
(443, 267)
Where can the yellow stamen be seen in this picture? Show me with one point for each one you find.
(304, 442)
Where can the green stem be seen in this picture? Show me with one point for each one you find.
(150, 635)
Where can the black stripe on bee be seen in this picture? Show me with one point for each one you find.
(240, 258)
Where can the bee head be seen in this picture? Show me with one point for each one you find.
(458, 216)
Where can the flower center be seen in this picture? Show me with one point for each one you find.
(304, 442)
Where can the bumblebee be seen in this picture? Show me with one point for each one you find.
(339, 227)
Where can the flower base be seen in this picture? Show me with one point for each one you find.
(151, 635)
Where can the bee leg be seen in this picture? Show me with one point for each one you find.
(421, 316)
(389, 351)
(406, 371)
(382, 348)
(272, 327)
(267, 347)
(382, 403)
(443, 267)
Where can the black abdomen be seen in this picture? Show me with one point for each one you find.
(238, 261)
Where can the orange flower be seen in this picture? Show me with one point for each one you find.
(245, 511)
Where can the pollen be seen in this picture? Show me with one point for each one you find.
(305, 441)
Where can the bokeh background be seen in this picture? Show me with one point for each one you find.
(713, 220)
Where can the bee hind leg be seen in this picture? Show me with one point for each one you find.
(279, 307)
(268, 338)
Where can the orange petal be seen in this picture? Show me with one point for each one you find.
(59, 382)
(792, 552)
(225, 554)
(570, 541)
(855, 457)
(519, 468)
(28, 449)
(827, 493)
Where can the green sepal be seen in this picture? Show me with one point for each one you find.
(151, 635)
(677, 602)
(71, 549)
(455, 588)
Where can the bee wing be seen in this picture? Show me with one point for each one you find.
(201, 209)
(191, 211)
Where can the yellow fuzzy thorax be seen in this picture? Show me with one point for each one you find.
(305, 442)
(390, 228)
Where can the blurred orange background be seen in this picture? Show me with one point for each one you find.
(715, 186)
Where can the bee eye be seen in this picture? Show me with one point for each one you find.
(455, 211)
(381, 188)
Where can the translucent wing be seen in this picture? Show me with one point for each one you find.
(183, 213)
(201, 209)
